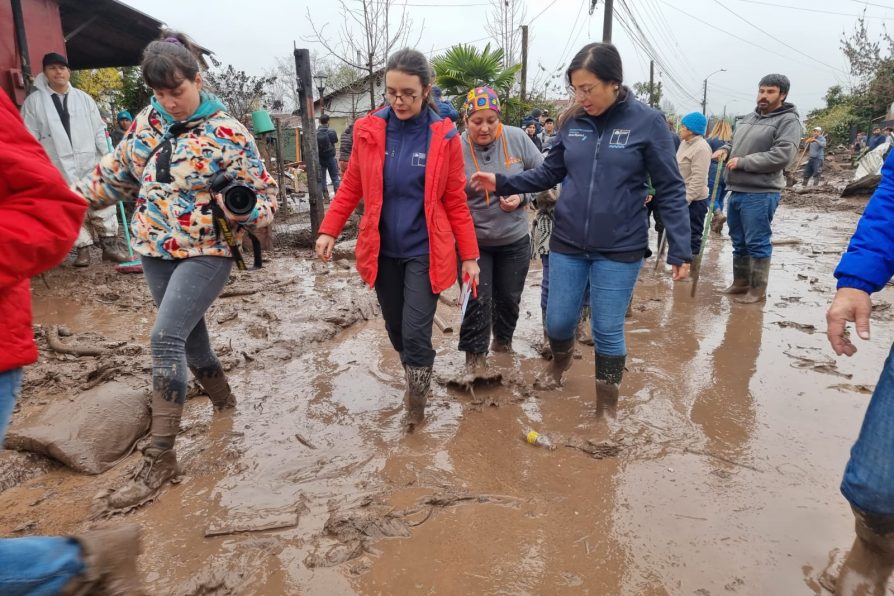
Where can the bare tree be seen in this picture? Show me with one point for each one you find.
(367, 35)
(240, 92)
(504, 21)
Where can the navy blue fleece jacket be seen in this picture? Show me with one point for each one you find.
(602, 163)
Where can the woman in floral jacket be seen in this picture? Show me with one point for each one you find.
(166, 162)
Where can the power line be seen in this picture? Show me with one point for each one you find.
(793, 48)
(568, 41)
(813, 10)
(542, 11)
(889, 7)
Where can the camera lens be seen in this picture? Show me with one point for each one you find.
(240, 200)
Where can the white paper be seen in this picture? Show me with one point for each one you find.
(466, 293)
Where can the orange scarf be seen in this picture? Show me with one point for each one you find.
(475, 159)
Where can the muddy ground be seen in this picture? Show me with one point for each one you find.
(718, 475)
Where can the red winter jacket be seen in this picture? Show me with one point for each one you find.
(39, 222)
(447, 214)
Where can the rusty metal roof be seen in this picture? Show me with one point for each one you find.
(103, 33)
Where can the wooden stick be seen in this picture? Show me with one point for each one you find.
(57, 346)
(444, 327)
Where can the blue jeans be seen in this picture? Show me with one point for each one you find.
(749, 218)
(329, 164)
(869, 476)
(611, 287)
(34, 565)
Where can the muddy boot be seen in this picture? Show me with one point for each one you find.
(741, 276)
(111, 251)
(214, 382)
(757, 291)
(584, 327)
(871, 561)
(476, 364)
(563, 354)
(500, 345)
(110, 563)
(416, 396)
(718, 221)
(629, 312)
(609, 372)
(159, 463)
(545, 352)
(83, 258)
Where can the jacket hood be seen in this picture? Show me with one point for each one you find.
(785, 108)
(42, 83)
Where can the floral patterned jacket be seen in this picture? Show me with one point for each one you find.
(167, 169)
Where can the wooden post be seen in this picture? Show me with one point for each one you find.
(309, 138)
(280, 167)
(524, 65)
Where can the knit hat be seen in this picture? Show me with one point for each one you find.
(481, 98)
(124, 115)
(696, 122)
(54, 58)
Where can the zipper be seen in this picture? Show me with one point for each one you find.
(590, 190)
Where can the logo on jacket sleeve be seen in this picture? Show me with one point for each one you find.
(418, 160)
(619, 138)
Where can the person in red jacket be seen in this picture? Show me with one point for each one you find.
(39, 222)
(407, 164)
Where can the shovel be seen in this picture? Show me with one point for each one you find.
(697, 262)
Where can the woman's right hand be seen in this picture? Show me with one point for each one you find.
(484, 181)
(325, 243)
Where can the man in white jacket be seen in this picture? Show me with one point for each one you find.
(67, 123)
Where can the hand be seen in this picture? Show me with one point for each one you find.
(648, 199)
(810, 140)
(732, 164)
(342, 167)
(510, 203)
(218, 198)
(851, 305)
(325, 243)
(484, 181)
(719, 154)
(680, 272)
(471, 269)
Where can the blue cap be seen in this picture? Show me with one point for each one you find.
(436, 91)
(695, 122)
(124, 115)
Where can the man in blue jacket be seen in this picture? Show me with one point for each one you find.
(876, 139)
(868, 483)
(764, 143)
(445, 108)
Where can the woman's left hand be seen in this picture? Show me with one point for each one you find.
(510, 203)
(218, 198)
(680, 272)
(471, 269)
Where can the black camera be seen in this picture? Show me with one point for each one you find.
(239, 198)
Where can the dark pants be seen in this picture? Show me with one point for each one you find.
(329, 164)
(697, 212)
(502, 279)
(814, 169)
(183, 289)
(408, 307)
(659, 225)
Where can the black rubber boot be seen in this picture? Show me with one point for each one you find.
(545, 351)
(476, 364)
(609, 372)
(83, 258)
(563, 354)
(741, 275)
(870, 563)
(757, 290)
(214, 382)
(500, 345)
(110, 563)
(111, 251)
(416, 395)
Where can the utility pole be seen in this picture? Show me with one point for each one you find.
(607, 21)
(651, 83)
(705, 98)
(309, 138)
(524, 68)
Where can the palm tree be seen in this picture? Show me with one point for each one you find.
(463, 67)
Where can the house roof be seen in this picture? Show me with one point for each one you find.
(352, 87)
(104, 33)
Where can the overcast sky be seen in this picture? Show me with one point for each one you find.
(794, 37)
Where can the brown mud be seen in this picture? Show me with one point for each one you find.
(717, 474)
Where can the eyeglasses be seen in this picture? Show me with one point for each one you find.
(403, 98)
(581, 91)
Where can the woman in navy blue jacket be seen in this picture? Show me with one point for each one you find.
(608, 143)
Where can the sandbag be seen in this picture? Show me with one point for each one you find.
(91, 433)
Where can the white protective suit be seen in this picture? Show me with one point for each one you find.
(77, 157)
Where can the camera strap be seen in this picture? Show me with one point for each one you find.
(222, 228)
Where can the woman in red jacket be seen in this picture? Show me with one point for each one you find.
(407, 163)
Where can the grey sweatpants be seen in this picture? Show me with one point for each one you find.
(182, 289)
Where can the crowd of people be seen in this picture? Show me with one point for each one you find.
(441, 208)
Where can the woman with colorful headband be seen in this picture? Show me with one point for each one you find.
(501, 226)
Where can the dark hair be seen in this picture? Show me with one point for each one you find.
(776, 80)
(548, 120)
(600, 59)
(324, 118)
(169, 61)
(413, 63)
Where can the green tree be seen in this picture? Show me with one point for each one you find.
(463, 67)
(240, 92)
(134, 94)
(650, 94)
